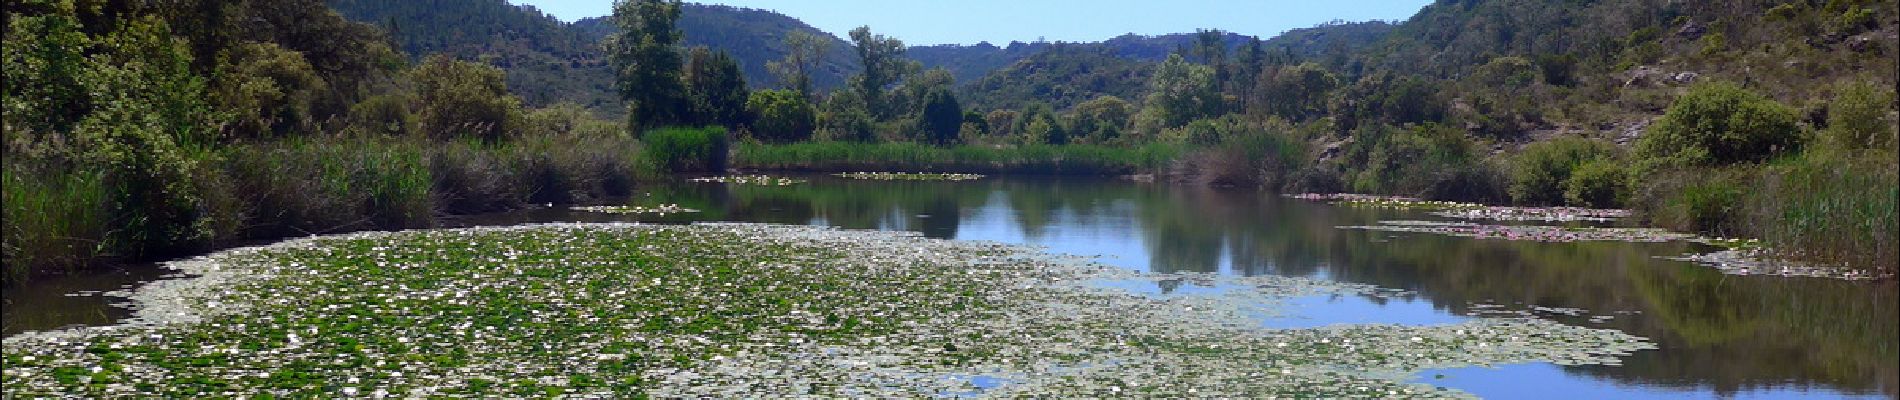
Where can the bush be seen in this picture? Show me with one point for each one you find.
(1430, 161)
(1720, 124)
(686, 149)
(1857, 119)
(1539, 173)
(463, 98)
(1599, 183)
(1696, 200)
(781, 116)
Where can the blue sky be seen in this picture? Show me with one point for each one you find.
(1001, 21)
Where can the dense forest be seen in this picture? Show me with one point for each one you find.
(136, 130)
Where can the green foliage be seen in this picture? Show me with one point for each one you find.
(1541, 174)
(914, 157)
(781, 116)
(44, 57)
(461, 98)
(1558, 69)
(645, 53)
(1720, 124)
(686, 149)
(941, 118)
(1295, 93)
(1428, 161)
(803, 51)
(149, 119)
(716, 88)
(883, 61)
(268, 91)
(1181, 92)
(1506, 72)
(568, 119)
(1386, 98)
(1235, 152)
(844, 119)
(1832, 209)
(52, 221)
(1598, 183)
(1709, 201)
(1857, 119)
(1063, 75)
(1101, 120)
(1039, 125)
(385, 114)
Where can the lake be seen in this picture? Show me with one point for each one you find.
(1720, 335)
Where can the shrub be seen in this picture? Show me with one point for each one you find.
(1696, 200)
(1720, 124)
(1539, 173)
(686, 149)
(1599, 183)
(464, 98)
(1428, 160)
(1857, 119)
(781, 116)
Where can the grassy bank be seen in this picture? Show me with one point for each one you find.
(61, 219)
(917, 157)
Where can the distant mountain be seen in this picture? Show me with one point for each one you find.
(754, 37)
(1062, 75)
(549, 61)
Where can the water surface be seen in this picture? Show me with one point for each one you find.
(1721, 336)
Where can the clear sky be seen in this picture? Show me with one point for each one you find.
(1001, 21)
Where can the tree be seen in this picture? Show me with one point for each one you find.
(464, 98)
(843, 118)
(646, 62)
(909, 97)
(1038, 125)
(1101, 120)
(266, 90)
(1180, 92)
(883, 60)
(802, 52)
(1298, 92)
(781, 116)
(941, 117)
(716, 88)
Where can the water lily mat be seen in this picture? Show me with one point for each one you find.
(733, 310)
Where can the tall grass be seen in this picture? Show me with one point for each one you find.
(54, 221)
(57, 219)
(902, 156)
(1813, 207)
(1832, 210)
(679, 149)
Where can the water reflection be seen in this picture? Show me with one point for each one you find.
(1720, 335)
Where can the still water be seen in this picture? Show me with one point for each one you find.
(1721, 336)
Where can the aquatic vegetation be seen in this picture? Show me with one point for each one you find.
(908, 176)
(662, 209)
(1539, 233)
(1546, 214)
(1758, 260)
(1472, 211)
(733, 310)
(761, 180)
